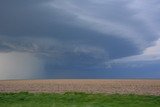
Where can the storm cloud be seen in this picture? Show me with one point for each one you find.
(87, 38)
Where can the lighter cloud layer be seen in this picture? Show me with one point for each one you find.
(149, 54)
(153, 49)
(17, 65)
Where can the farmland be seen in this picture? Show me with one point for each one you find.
(140, 87)
(80, 93)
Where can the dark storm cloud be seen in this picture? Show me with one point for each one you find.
(80, 35)
(28, 18)
(33, 19)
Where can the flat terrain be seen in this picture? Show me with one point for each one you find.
(141, 87)
(76, 100)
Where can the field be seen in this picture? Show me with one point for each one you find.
(80, 93)
(76, 100)
(142, 87)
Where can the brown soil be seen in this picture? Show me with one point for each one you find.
(147, 87)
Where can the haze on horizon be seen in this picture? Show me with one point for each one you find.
(44, 39)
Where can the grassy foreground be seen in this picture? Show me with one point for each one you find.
(25, 99)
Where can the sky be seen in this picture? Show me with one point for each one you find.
(77, 39)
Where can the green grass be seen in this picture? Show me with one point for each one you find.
(25, 99)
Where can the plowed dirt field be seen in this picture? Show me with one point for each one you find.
(145, 87)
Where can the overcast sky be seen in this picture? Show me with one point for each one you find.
(79, 39)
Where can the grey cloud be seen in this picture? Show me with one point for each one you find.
(78, 35)
(111, 17)
(36, 18)
(41, 19)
